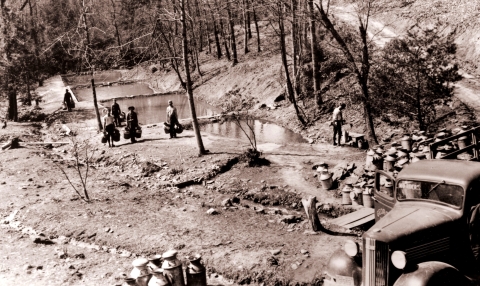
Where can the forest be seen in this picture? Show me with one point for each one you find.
(406, 77)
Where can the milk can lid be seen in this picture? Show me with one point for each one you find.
(170, 253)
(463, 138)
(370, 152)
(140, 262)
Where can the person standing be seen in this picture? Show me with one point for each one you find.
(109, 126)
(116, 112)
(132, 123)
(172, 119)
(67, 99)
(337, 123)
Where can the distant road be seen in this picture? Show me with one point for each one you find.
(467, 89)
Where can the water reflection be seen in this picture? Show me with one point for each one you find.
(264, 131)
(107, 92)
(152, 109)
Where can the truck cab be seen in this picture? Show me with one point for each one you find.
(427, 230)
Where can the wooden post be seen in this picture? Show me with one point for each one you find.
(310, 208)
(100, 127)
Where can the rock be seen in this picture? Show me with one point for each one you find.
(212, 211)
(79, 256)
(350, 167)
(107, 229)
(40, 267)
(226, 202)
(126, 254)
(42, 240)
(294, 266)
(289, 219)
(129, 225)
(28, 266)
(30, 179)
(303, 251)
(275, 251)
(260, 211)
(3, 183)
(71, 267)
(338, 174)
(310, 141)
(310, 232)
(61, 255)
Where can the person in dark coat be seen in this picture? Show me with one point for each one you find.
(172, 119)
(132, 123)
(67, 99)
(116, 112)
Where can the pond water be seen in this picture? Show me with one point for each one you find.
(264, 131)
(108, 92)
(99, 77)
(152, 109)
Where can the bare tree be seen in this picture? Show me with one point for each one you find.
(82, 153)
(188, 81)
(361, 70)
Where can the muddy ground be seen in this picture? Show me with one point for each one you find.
(49, 236)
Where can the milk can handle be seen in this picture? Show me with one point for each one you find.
(169, 278)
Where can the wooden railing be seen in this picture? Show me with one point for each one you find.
(473, 136)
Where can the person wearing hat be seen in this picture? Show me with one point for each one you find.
(67, 100)
(132, 123)
(116, 112)
(172, 119)
(337, 122)
(108, 127)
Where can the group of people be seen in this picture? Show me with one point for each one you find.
(112, 120)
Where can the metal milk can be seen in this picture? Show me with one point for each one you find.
(357, 195)
(139, 268)
(346, 200)
(158, 278)
(326, 180)
(377, 161)
(462, 142)
(155, 262)
(172, 268)
(196, 272)
(389, 163)
(368, 197)
(407, 143)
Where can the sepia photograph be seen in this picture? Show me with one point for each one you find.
(240, 142)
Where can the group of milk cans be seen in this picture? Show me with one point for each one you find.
(167, 270)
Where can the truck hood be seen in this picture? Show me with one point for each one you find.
(408, 221)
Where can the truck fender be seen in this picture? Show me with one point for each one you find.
(432, 273)
(342, 269)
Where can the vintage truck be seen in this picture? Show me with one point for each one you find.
(427, 227)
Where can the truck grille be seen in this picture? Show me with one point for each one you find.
(429, 248)
(375, 263)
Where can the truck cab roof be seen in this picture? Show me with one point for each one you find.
(455, 172)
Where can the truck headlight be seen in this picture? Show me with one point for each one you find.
(399, 259)
(351, 248)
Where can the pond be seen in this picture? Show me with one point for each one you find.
(99, 77)
(152, 109)
(264, 131)
(108, 92)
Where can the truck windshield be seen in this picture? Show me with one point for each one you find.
(431, 191)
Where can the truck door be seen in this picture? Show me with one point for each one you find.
(384, 194)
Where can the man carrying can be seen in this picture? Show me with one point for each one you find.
(337, 123)
(116, 112)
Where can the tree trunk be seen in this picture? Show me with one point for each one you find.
(34, 34)
(196, 128)
(89, 59)
(361, 74)
(222, 31)
(313, 46)
(290, 90)
(99, 121)
(293, 6)
(12, 105)
(200, 27)
(232, 35)
(215, 32)
(257, 30)
(115, 24)
(419, 102)
(310, 206)
(249, 28)
(245, 28)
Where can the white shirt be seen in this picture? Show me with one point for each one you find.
(337, 114)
